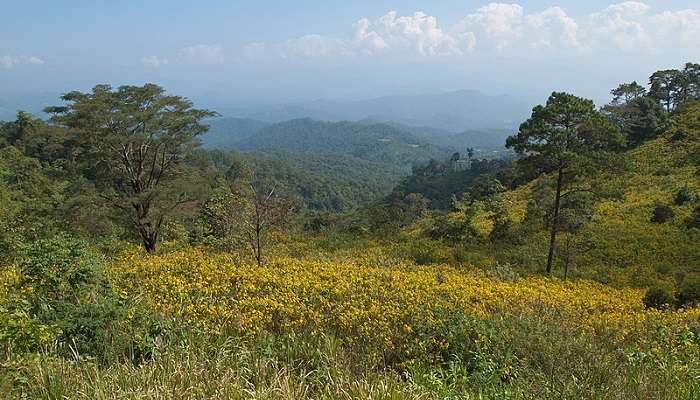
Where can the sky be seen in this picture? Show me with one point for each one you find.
(279, 51)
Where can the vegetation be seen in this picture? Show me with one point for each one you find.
(565, 136)
(134, 264)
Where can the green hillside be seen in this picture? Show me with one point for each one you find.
(619, 243)
(376, 142)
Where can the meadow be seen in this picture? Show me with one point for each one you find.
(200, 323)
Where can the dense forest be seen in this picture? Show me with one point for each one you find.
(317, 259)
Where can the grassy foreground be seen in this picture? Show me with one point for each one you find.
(364, 327)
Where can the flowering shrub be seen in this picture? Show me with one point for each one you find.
(368, 306)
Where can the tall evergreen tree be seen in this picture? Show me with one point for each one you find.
(566, 137)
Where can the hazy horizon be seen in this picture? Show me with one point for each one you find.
(301, 51)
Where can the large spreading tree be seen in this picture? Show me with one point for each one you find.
(131, 143)
(568, 138)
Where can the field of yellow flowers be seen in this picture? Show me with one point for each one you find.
(356, 323)
(376, 306)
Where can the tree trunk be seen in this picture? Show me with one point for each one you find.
(149, 237)
(555, 222)
(149, 243)
(258, 253)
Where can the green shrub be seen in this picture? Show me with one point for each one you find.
(425, 253)
(661, 213)
(447, 335)
(678, 135)
(69, 292)
(685, 195)
(694, 220)
(658, 297)
(60, 269)
(689, 290)
(22, 333)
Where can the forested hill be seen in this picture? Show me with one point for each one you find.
(374, 142)
(224, 133)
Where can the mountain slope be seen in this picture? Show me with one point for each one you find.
(225, 132)
(377, 142)
(621, 244)
(332, 182)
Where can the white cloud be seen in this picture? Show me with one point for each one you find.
(314, 46)
(507, 29)
(622, 25)
(202, 54)
(154, 61)
(8, 62)
(368, 41)
(499, 22)
(421, 34)
(678, 27)
(552, 27)
(392, 34)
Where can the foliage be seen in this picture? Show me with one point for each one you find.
(62, 294)
(440, 182)
(372, 142)
(694, 220)
(661, 213)
(360, 302)
(685, 195)
(658, 297)
(567, 137)
(640, 119)
(689, 290)
(131, 142)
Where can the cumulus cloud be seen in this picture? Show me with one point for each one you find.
(8, 62)
(421, 34)
(623, 25)
(154, 61)
(368, 41)
(552, 27)
(202, 54)
(505, 28)
(391, 34)
(498, 22)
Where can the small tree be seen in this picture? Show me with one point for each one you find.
(569, 138)
(131, 143)
(248, 207)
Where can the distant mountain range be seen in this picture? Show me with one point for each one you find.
(249, 134)
(455, 111)
(453, 120)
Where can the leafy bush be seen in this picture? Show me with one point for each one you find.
(424, 253)
(60, 269)
(20, 332)
(678, 135)
(658, 297)
(450, 334)
(689, 290)
(694, 220)
(685, 195)
(68, 291)
(661, 213)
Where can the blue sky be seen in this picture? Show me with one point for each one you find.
(300, 50)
